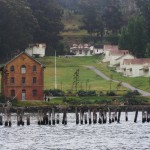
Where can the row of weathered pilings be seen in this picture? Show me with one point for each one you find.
(83, 115)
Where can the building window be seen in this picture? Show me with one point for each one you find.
(12, 80)
(34, 68)
(23, 95)
(12, 93)
(23, 80)
(34, 80)
(34, 92)
(80, 51)
(12, 69)
(23, 69)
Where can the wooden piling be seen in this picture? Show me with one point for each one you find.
(53, 116)
(77, 116)
(49, 119)
(85, 118)
(104, 117)
(89, 114)
(113, 117)
(136, 115)
(110, 121)
(81, 116)
(100, 118)
(148, 116)
(94, 117)
(64, 121)
(126, 115)
(28, 120)
(116, 116)
(57, 121)
(20, 118)
(40, 116)
(1, 120)
(143, 116)
(119, 114)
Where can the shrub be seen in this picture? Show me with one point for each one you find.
(86, 93)
(82, 93)
(54, 92)
(133, 98)
(111, 93)
(2, 99)
(103, 101)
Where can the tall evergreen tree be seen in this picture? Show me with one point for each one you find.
(17, 26)
(133, 37)
(144, 8)
(48, 14)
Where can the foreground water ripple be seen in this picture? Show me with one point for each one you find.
(123, 136)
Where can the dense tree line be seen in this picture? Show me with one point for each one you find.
(27, 21)
(136, 35)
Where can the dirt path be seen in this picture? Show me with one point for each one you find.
(144, 93)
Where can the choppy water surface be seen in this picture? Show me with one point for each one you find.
(126, 135)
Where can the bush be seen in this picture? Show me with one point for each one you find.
(111, 93)
(103, 101)
(133, 98)
(54, 92)
(2, 99)
(76, 101)
(86, 93)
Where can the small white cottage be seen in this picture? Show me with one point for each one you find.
(119, 61)
(37, 49)
(115, 54)
(136, 67)
(107, 49)
(81, 50)
(98, 50)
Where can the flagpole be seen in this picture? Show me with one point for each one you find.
(55, 73)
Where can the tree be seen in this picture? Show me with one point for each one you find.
(92, 18)
(17, 26)
(76, 76)
(112, 15)
(48, 14)
(144, 8)
(147, 53)
(133, 37)
(100, 16)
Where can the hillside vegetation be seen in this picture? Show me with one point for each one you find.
(66, 67)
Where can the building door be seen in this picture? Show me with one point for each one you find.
(23, 95)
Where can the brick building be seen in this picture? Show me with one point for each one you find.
(23, 78)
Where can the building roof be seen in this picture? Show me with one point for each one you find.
(110, 47)
(20, 55)
(119, 52)
(124, 56)
(137, 61)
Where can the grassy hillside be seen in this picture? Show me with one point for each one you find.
(67, 66)
(65, 70)
(72, 23)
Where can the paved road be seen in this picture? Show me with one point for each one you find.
(144, 93)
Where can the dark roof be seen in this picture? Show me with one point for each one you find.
(18, 56)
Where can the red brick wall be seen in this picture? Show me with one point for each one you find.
(29, 86)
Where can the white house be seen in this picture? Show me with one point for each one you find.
(119, 61)
(136, 67)
(107, 49)
(37, 49)
(98, 50)
(115, 54)
(81, 50)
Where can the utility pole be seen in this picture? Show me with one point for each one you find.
(55, 72)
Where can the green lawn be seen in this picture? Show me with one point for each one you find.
(138, 82)
(65, 70)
